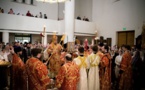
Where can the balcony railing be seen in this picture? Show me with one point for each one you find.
(31, 24)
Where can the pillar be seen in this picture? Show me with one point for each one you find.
(5, 37)
(69, 21)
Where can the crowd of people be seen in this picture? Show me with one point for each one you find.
(29, 14)
(40, 15)
(84, 18)
(88, 67)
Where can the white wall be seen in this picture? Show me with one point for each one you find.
(111, 16)
(77, 8)
(84, 27)
(46, 8)
(61, 11)
(83, 8)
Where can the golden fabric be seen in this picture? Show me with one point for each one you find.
(105, 82)
(55, 61)
(100, 54)
(92, 63)
(62, 57)
(68, 77)
(19, 76)
(77, 41)
(37, 74)
(83, 61)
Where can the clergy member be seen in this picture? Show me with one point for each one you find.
(126, 70)
(83, 64)
(68, 75)
(37, 72)
(93, 76)
(54, 53)
(105, 63)
(19, 76)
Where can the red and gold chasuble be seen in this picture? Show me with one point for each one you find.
(105, 82)
(55, 61)
(100, 54)
(37, 74)
(19, 76)
(62, 57)
(68, 77)
(126, 76)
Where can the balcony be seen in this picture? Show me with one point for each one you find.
(25, 24)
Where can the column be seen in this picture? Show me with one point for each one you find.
(5, 37)
(69, 22)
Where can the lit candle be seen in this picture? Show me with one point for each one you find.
(44, 27)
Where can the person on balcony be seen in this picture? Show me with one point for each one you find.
(45, 16)
(84, 19)
(11, 11)
(1, 10)
(28, 14)
(79, 18)
(40, 14)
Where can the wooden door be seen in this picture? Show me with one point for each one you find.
(121, 38)
(130, 38)
(126, 38)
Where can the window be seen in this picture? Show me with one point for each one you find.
(23, 1)
(29, 2)
(32, 2)
(23, 38)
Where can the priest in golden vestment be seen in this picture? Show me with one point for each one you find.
(68, 75)
(105, 63)
(19, 76)
(37, 72)
(54, 53)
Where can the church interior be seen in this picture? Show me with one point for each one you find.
(75, 23)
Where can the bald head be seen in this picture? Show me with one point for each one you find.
(68, 57)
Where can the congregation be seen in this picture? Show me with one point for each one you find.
(29, 14)
(88, 67)
(72, 45)
(84, 18)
